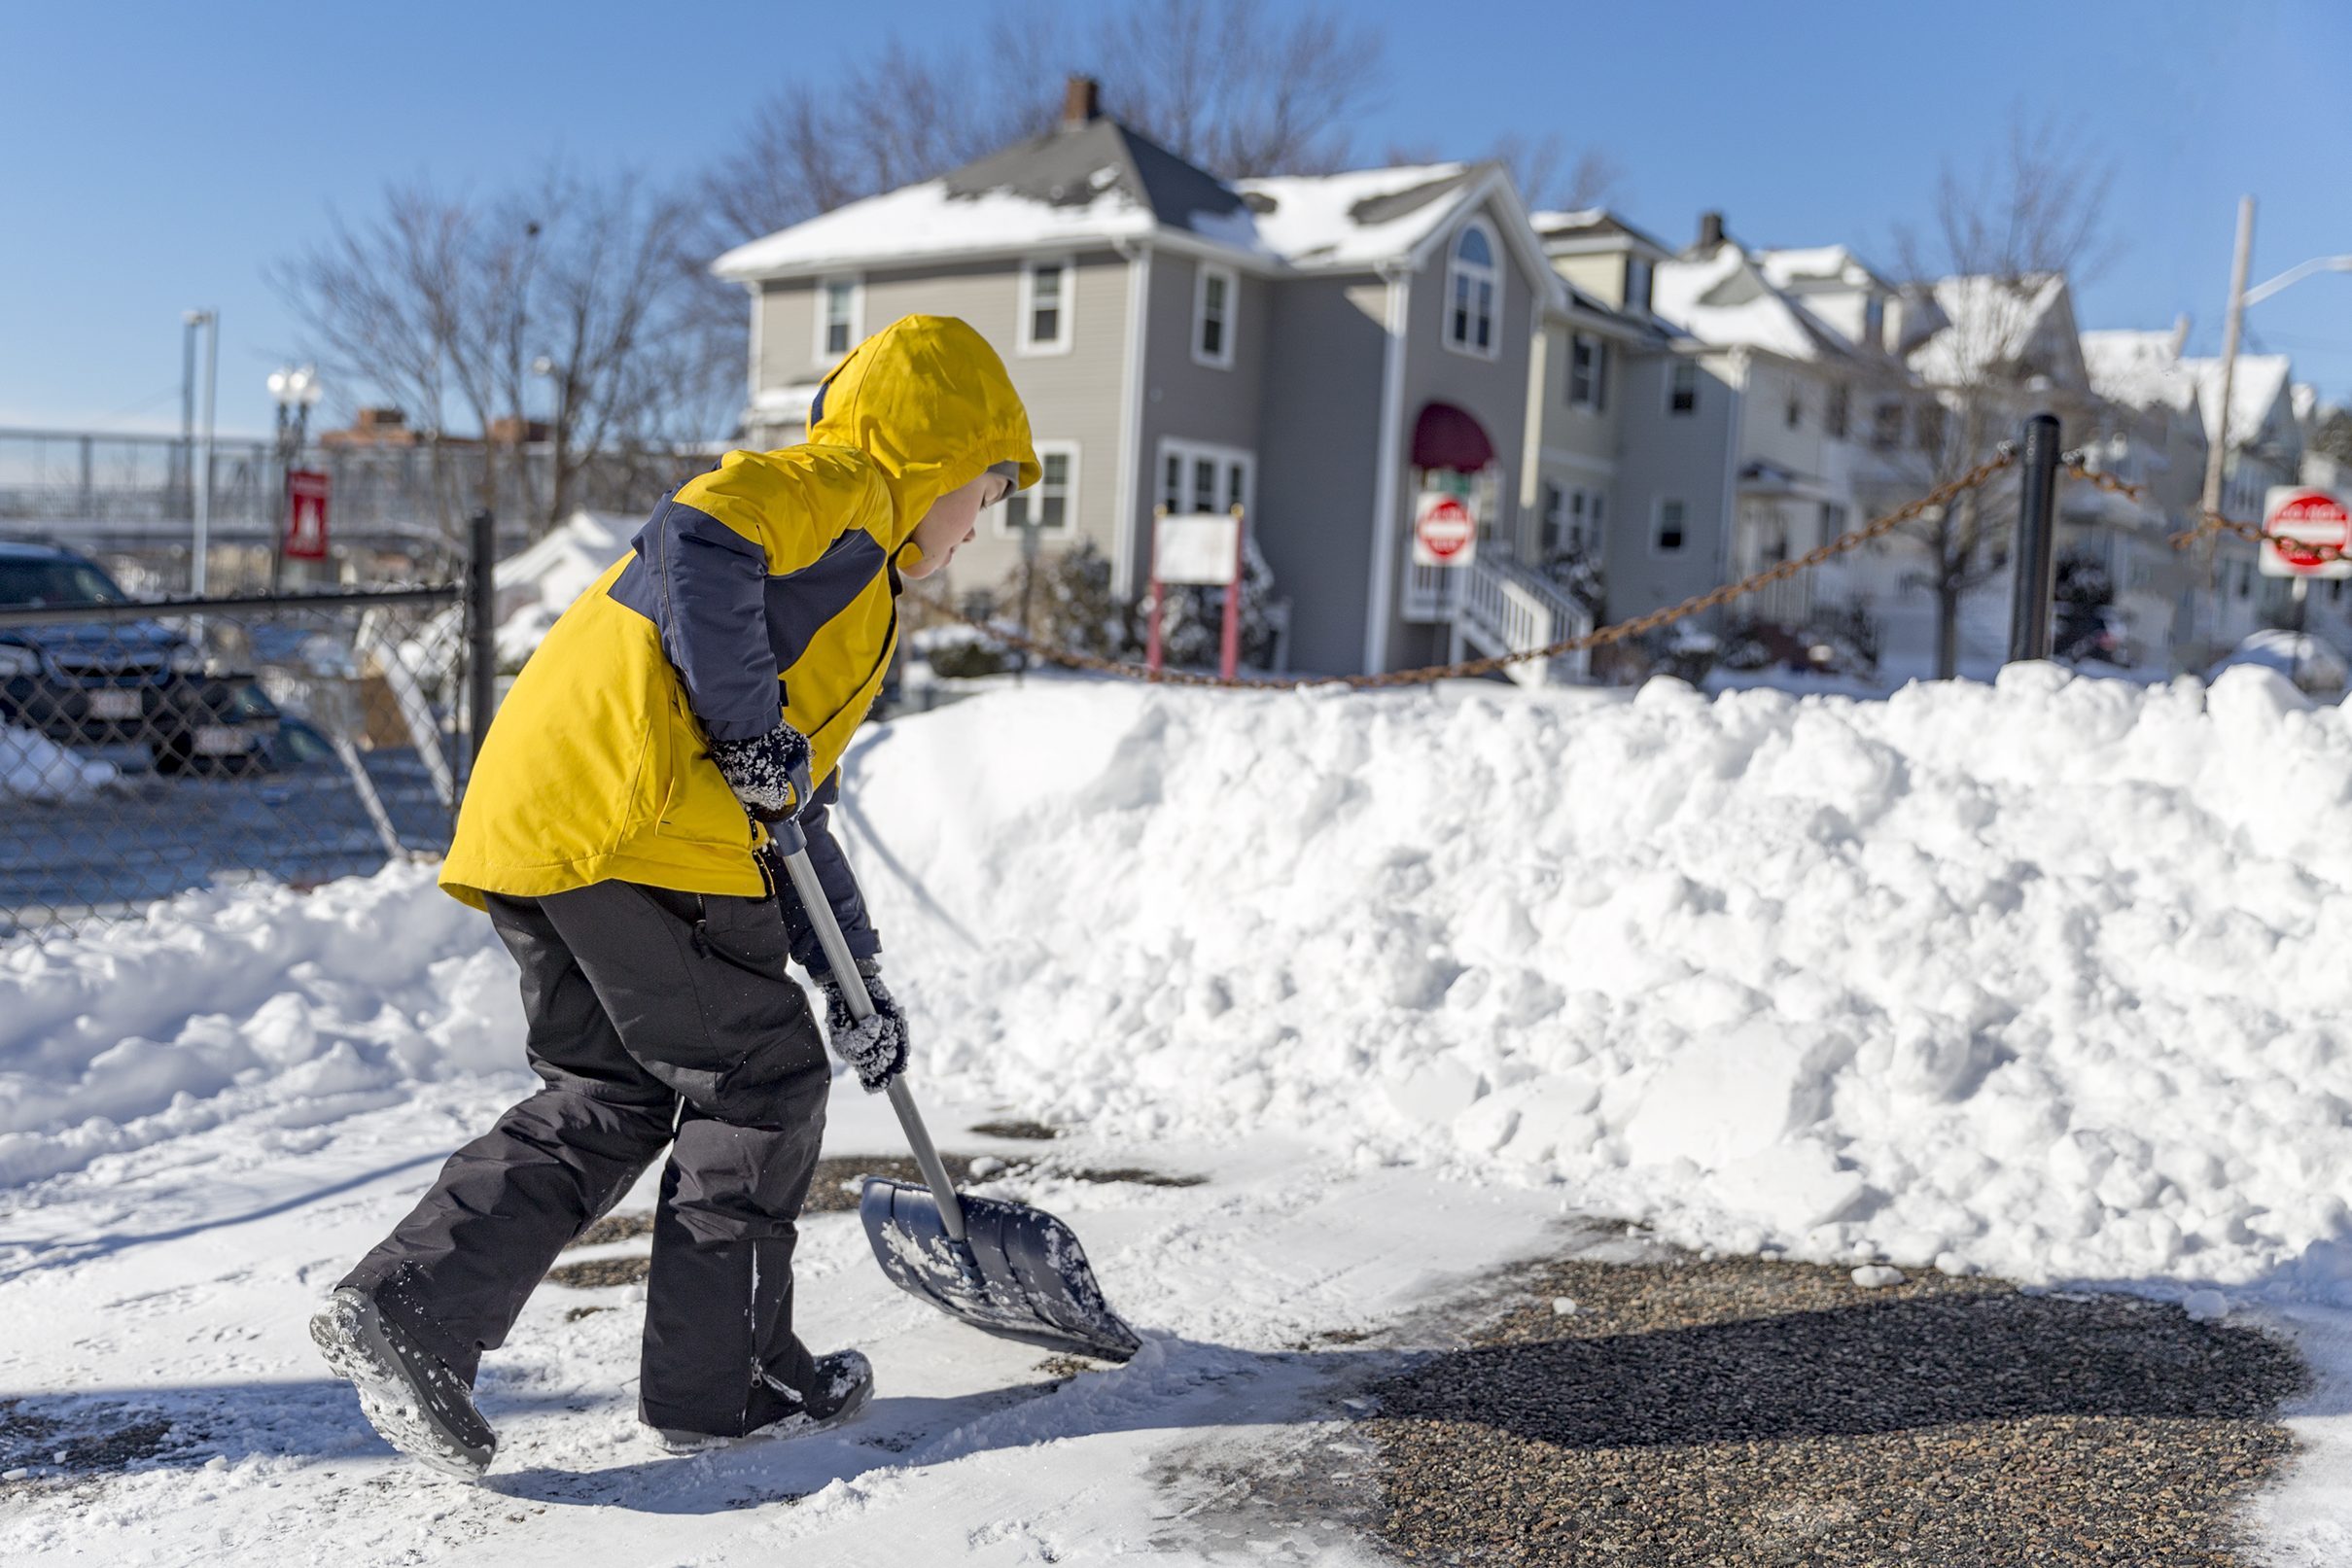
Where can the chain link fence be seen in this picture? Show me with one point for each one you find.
(150, 746)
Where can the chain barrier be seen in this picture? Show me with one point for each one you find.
(1602, 636)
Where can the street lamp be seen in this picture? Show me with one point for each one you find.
(297, 391)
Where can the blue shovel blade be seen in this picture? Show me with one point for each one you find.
(1019, 1273)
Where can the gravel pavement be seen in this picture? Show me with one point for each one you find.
(1744, 1411)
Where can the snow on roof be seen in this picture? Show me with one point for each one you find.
(922, 219)
(1106, 183)
(1725, 302)
(1788, 267)
(1354, 218)
(2257, 386)
(1992, 321)
(2138, 368)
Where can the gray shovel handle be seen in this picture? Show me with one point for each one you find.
(794, 845)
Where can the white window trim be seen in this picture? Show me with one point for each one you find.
(1201, 275)
(1222, 456)
(818, 351)
(1658, 505)
(1030, 267)
(1494, 274)
(1004, 528)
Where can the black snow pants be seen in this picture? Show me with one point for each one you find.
(654, 1017)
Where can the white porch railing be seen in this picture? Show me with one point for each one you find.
(1502, 606)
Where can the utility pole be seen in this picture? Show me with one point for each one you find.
(2217, 455)
(201, 546)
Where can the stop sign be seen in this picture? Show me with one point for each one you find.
(1444, 532)
(2308, 531)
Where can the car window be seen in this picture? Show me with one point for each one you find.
(55, 582)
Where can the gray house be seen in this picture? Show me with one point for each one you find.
(1317, 350)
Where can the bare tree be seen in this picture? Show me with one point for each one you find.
(1547, 177)
(465, 310)
(1225, 84)
(1984, 277)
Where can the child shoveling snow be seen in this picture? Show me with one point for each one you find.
(615, 830)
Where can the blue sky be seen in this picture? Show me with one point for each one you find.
(166, 154)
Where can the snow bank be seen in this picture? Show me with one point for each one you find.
(257, 1002)
(2037, 979)
(34, 767)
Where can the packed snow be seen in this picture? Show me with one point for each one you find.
(2028, 978)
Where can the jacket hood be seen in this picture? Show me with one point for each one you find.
(931, 403)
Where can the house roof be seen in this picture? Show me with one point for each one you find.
(1725, 300)
(2259, 384)
(2138, 368)
(1358, 219)
(1794, 267)
(1103, 181)
(1990, 322)
(1587, 228)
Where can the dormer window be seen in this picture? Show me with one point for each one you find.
(1472, 286)
(1636, 283)
(1045, 291)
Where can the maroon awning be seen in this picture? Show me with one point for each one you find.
(1444, 436)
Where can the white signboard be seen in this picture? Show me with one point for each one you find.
(1444, 532)
(2296, 518)
(1199, 547)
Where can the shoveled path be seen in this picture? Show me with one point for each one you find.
(1689, 1412)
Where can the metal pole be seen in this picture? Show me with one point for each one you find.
(277, 506)
(188, 410)
(2217, 455)
(2303, 613)
(201, 543)
(1153, 652)
(1229, 642)
(1028, 583)
(481, 634)
(2037, 503)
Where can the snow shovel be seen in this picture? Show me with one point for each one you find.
(1004, 1267)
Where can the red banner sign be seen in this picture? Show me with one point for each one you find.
(306, 492)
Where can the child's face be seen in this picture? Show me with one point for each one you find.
(950, 522)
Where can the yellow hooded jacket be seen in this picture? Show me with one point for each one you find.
(761, 591)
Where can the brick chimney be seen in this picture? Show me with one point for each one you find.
(1710, 230)
(1082, 102)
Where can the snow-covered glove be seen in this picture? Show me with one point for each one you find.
(768, 773)
(875, 1047)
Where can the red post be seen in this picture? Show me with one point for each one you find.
(1152, 646)
(1229, 651)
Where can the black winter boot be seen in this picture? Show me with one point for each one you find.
(845, 1382)
(418, 1405)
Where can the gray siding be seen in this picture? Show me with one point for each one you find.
(1186, 400)
(1072, 396)
(1492, 391)
(1665, 456)
(1319, 443)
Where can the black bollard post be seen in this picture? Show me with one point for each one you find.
(2037, 532)
(481, 631)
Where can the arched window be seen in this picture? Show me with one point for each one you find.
(1472, 284)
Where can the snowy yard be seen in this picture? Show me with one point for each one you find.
(2031, 981)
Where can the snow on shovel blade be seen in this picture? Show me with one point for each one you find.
(1019, 1273)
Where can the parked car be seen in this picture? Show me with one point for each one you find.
(90, 684)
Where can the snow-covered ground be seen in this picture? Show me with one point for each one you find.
(2033, 979)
